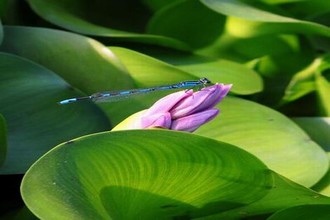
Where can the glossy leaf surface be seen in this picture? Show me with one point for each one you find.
(270, 136)
(107, 175)
(35, 122)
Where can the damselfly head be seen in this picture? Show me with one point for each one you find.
(205, 81)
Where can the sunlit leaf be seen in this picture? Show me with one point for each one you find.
(153, 174)
(323, 186)
(35, 122)
(247, 20)
(323, 91)
(147, 69)
(272, 137)
(318, 129)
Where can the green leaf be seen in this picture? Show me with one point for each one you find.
(323, 186)
(284, 194)
(269, 135)
(307, 8)
(303, 212)
(283, 1)
(247, 20)
(1, 33)
(317, 128)
(245, 80)
(86, 18)
(3, 7)
(3, 139)
(147, 71)
(302, 83)
(83, 62)
(323, 91)
(199, 30)
(152, 174)
(156, 5)
(308, 80)
(35, 122)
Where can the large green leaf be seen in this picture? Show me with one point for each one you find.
(3, 139)
(149, 174)
(86, 18)
(145, 69)
(197, 31)
(272, 137)
(83, 62)
(247, 20)
(35, 122)
(284, 194)
(303, 212)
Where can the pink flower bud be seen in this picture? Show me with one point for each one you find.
(185, 110)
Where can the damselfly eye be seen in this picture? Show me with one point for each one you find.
(205, 80)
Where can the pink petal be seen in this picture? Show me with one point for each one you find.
(157, 120)
(192, 122)
(166, 104)
(200, 101)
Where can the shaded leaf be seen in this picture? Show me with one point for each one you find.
(156, 5)
(302, 83)
(83, 62)
(303, 212)
(309, 80)
(77, 16)
(107, 175)
(35, 122)
(284, 194)
(1, 33)
(269, 135)
(317, 128)
(197, 31)
(3, 139)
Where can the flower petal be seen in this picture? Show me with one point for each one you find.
(166, 104)
(192, 122)
(205, 99)
(156, 120)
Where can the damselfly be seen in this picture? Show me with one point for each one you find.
(114, 95)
